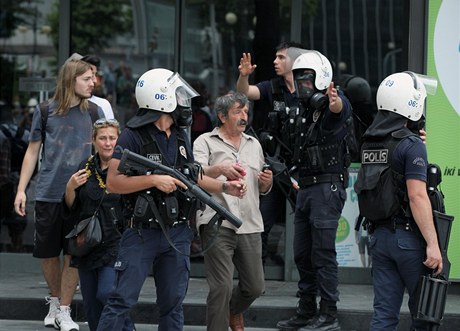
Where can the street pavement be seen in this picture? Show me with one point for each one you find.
(22, 304)
(8, 325)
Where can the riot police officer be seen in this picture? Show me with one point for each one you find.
(392, 195)
(316, 132)
(156, 131)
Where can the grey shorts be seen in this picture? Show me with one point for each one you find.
(50, 230)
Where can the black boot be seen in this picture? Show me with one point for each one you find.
(325, 320)
(306, 310)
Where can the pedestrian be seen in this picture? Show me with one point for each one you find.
(279, 93)
(404, 244)
(86, 193)
(68, 141)
(157, 132)
(321, 157)
(204, 117)
(95, 63)
(6, 185)
(126, 84)
(14, 149)
(228, 153)
(362, 241)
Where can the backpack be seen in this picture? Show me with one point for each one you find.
(19, 140)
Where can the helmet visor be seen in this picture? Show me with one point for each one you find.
(431, 83)
(184, 92)
(293, 53)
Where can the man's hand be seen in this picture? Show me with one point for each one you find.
(265, 180)
(236, 188)
(422, 135)
(233, 171)
(433, 259)
(335, 103)
(20, 203)
(166, 183)
(245, 67)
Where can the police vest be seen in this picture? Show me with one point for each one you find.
(174, 207)
(382, 192)
(316, 150)
(279, 102)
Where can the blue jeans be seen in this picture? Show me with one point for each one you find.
(397, 264)
(139, 250)
(95, 287)
(318, 210)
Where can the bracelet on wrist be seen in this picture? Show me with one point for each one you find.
(224, 187)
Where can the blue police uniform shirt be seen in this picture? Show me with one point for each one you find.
(265, 89)
(168, 145)
(410, 159)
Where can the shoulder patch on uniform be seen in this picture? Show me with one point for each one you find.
(419, 162)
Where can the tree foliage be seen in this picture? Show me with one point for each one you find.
(12, 14)
(93, 23)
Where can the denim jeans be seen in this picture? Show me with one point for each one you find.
(397, 264)
(95, 287)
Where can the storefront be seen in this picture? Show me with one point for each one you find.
(204, 40)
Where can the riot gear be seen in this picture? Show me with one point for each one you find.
(165, 91)
(320, 65)
(312, 75)
(182, 117)
(357, 89)
(404, 93)
(307, 94)
(174, 207)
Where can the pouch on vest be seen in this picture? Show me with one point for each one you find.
(169, 209)
(377, 198)
(142, 210)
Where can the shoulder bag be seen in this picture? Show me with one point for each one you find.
(86, 234)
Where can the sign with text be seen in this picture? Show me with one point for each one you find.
(36, 84)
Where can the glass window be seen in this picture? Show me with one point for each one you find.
(204, 41)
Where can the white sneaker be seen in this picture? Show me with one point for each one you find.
(54, 310)
(64, 322)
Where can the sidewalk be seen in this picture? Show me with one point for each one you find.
(22, 292)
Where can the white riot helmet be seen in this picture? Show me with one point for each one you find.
(404, 93)
(317, 62)
(163, 90)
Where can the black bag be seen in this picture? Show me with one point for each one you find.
(86, 235)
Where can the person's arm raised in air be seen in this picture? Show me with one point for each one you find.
(242, 84)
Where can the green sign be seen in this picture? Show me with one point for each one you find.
(443, 111)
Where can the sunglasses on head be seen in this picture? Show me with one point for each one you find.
(106, 122)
